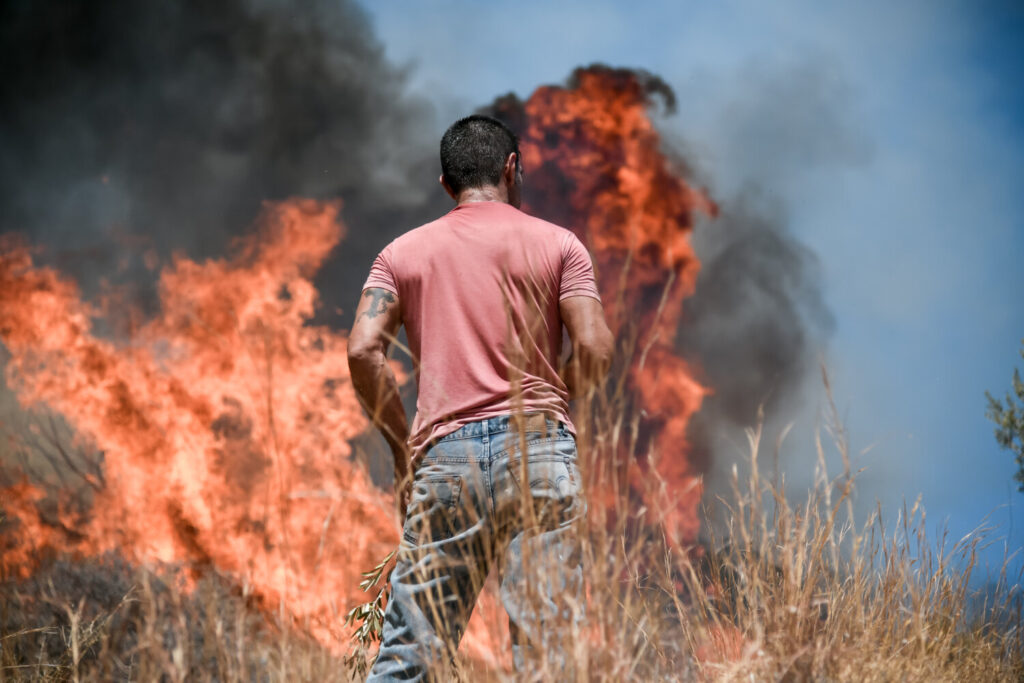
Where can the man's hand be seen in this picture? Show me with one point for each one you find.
(403, 481)
(403, 494)
(377, 319)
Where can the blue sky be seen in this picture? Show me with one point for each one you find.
(892, 134)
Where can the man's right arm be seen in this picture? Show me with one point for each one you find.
(592, 344)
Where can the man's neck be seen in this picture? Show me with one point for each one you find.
(488, 193)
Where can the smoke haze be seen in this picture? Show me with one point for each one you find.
(758, 324)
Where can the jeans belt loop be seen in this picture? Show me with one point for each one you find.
(535, 422)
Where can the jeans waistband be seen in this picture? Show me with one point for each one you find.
(525, 422)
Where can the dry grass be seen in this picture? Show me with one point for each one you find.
(102, 620)
(784, 590)
(803, 592)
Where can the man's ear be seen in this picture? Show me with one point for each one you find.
(447, 187)
(509, 171)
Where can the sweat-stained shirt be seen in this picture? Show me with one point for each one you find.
(479, 291)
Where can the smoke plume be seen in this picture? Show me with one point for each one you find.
(758, 324)
(164, 126)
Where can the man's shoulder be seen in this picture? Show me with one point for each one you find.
(541, 227)
(417, 235)
(548, 226)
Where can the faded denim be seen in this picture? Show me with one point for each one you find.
(469, 512)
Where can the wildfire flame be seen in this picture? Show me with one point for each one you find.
(225, 421)
(595, 165)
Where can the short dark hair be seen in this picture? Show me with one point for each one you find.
(474, 150)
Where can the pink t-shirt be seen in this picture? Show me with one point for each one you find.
(479, 291)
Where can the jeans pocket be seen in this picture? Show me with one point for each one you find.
(433, 508)
(552, 479)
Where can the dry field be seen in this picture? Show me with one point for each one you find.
(789, 591)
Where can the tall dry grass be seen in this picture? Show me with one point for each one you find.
(100, 619)
(805, 591)
(785, 590)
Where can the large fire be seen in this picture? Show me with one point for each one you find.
(225, 421)
(595, 165)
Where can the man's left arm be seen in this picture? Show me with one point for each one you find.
(377, 320)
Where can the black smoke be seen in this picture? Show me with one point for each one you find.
(134, 127)
(757, 323)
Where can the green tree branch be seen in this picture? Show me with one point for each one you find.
(1008, 416)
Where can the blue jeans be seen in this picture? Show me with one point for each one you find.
(469, 511)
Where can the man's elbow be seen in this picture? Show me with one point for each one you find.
(363, 352)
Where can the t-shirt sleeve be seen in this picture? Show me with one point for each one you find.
(577, 270)
(382, 274)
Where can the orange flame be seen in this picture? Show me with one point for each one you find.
(224, 423)
(595, 164)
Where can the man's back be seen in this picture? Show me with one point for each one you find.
(479, 291)
(483, 293)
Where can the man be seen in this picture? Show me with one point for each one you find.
(487, 475)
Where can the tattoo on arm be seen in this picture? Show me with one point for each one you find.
(381, 299)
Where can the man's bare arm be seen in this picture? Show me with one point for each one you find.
(592, 344)
(377, 320)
